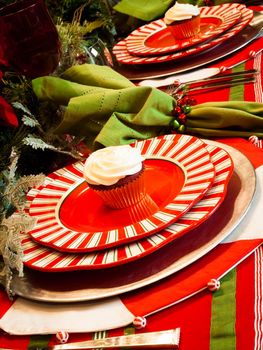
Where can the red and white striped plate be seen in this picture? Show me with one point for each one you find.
(155, 38)
(47, 259)
(73, 218)
(123, 56)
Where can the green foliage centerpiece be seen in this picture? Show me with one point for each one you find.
(28, 147)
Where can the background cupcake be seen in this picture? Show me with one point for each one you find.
(183, 20)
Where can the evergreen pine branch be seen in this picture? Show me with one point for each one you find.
(37, 143)
(19, 148)
(13, 166)
(11, 233)
(19, 105)
(30, 121)
(15, 192)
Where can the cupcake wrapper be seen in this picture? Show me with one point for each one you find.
(133, 197)
(185, 29)
(124, 196)
(143, 209)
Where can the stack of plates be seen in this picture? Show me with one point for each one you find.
(153, 43)
(74, 230)
(81, 250)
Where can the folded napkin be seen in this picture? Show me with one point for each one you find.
(107, 109)
(104, 106)
(143, 9)
(227, 119)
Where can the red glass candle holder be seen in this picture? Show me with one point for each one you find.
(29, 42)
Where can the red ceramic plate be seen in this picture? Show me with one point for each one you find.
(72, 218)
(47, 259)
(155, 38)
(123, 56)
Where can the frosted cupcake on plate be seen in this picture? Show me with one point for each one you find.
(183, 20)
(116, 174)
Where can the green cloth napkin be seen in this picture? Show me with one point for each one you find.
(107, 109)
(226, 119)
(146, 10)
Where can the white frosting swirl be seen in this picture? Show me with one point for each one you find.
(108, 165)
(180, 12)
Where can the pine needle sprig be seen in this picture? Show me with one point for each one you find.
(15, 191)
(17, 88)
(37, 143)
(11, 234)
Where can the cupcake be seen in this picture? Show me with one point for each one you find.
(183, 20)
(116, 174)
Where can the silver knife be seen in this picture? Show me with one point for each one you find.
(162, 340)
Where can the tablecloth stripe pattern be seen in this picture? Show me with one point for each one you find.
(258, 299)
(247, 92)
(224, 314)
(194, 316)
(258, 86)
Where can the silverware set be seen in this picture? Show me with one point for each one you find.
(158, 340)
(215, 82)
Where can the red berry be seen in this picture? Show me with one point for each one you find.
(182, 118)
(189, 100)
(177, 111)
(180, 102)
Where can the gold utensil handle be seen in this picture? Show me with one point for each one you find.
(163, 339)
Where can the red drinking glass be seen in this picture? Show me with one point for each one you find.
(29, 42)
